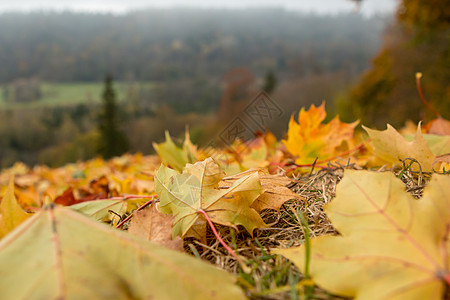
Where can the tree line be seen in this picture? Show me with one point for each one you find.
(162, 45)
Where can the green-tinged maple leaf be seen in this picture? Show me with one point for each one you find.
(310, 139)
(11, 214)
(197, 188)
(100, 209)
(392, 246)
(61, 254)
(174, 156)
(390, 147)
(438, 144)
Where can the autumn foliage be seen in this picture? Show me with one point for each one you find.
(309, 138)
(418, 40)
(102, 229)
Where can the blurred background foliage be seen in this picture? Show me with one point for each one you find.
(417, 41)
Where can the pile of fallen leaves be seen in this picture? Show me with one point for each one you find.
(327, 212)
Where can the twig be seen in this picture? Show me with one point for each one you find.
(295, 166)
(138, 209)
(313, 166)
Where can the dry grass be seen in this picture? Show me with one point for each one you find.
(272, 276)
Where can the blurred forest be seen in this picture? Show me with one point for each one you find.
(178, 67)
(202, 68)
(181, 44)
(418, 41)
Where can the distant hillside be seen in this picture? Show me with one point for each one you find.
(161, 45)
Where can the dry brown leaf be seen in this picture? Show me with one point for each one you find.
(67, 198)
(197, 231)
(439, 126)
(275, 190)
(151, 225)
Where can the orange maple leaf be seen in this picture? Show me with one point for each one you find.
(310, 138)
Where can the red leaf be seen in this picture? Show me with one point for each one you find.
(67, 198)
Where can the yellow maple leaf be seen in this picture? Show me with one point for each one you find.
(61, 254)
(310, 138)
(11, 214)
(390, 147)
(392, 246)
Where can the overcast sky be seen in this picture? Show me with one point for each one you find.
(119, 6)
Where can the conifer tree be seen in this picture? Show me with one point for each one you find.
(112, 141)
(270, 82)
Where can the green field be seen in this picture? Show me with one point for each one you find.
(73, 93)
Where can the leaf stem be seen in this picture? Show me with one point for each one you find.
(422, 97)
(221, 241)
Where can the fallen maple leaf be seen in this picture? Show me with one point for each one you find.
(152, 225)
(61, 254)
(392, 246)
(132, 185)
(100, 210)
(438, 126)
(98, 189)
(390, 147)
(67, 198)
(310, 139)
(438, 144)
(197, 188)
(248, 155)
(128, 174)
(11, 214)
(174, 156)
(275, 190)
